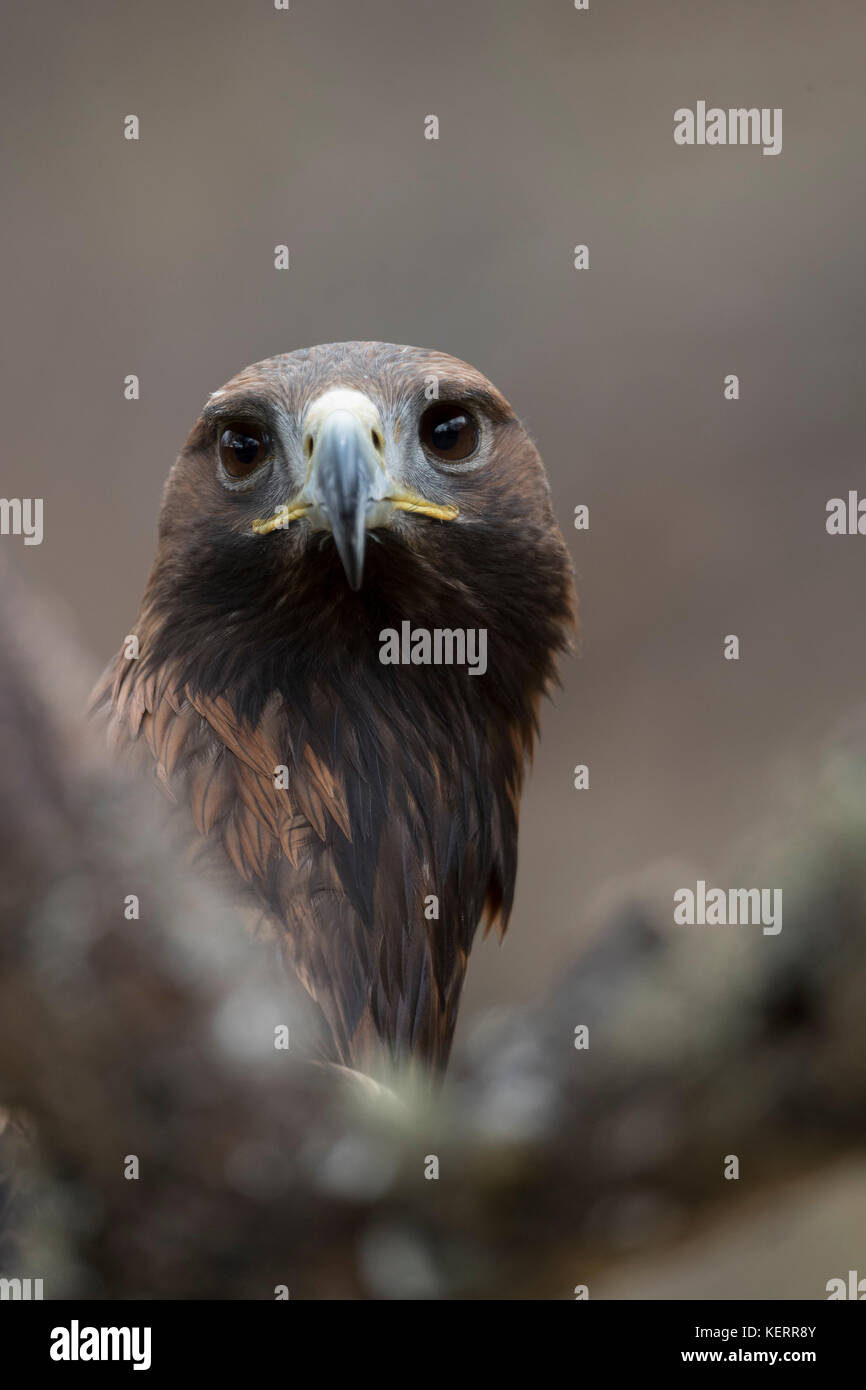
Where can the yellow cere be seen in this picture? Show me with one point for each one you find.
(283, 515)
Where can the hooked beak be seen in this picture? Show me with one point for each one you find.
(344, 482)
(347, 489)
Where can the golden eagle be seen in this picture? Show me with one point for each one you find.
(331, 506)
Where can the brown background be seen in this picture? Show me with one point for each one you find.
(707, 517)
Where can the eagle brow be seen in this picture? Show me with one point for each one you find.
(478, 396)
(241, 406)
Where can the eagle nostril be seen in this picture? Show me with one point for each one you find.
(376, 438)
(308, 446)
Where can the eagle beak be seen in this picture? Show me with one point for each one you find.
(344, 483)
(347, 489)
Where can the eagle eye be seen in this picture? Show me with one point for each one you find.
(449, 431)
(243, 446)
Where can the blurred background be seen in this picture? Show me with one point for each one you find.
(306, 127)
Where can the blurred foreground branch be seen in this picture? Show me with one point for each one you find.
(154, 1038)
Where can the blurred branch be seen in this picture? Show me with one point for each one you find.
(155, 1038)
